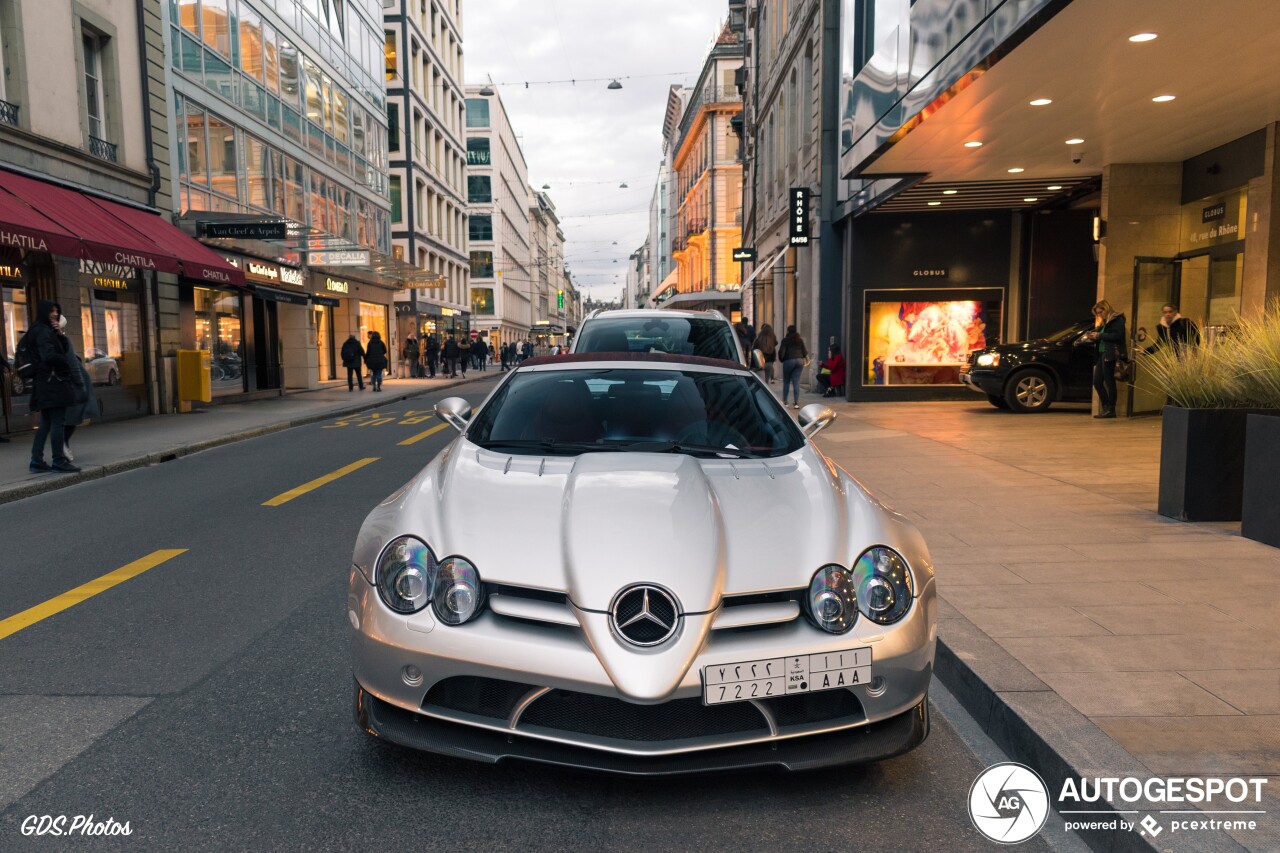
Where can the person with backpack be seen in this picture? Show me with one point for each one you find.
(54, 386)
(353, 361)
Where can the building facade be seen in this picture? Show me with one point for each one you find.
(991, 197)
(280, 112)
(708, 175)
(546, 267)
(663, 206)
(498, 194)
(84, 179)
(427, 119)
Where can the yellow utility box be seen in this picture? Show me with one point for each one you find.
(194, 382)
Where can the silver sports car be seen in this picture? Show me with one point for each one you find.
(639, 563)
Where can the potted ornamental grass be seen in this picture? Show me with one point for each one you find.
(1217, 391)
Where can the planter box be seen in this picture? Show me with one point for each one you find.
(1260, 519)
(1202, 463)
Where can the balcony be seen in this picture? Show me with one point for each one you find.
(102, 149)
(8, 113)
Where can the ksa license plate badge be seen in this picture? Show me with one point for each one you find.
(785, 676)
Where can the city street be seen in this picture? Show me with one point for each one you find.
(206, 700)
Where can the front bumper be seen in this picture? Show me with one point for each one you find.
(580, 714)
(871, 742)
(984, 381)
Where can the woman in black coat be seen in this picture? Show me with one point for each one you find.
(375, 356)
(1109, 332)
(54, 387)
(353, 361)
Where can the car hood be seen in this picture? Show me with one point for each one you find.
(592, 524)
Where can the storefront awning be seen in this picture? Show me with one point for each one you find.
(722, 297)
(104, 231)
(272, 295)
(23, 228)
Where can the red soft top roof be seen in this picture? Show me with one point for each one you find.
(650, 357)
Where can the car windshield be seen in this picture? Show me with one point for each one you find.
(654, 411)
(702, 336)
(1064, 334)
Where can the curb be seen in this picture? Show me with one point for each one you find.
(1035, 726)
(51, 483)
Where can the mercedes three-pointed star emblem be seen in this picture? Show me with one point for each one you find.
(645, 615)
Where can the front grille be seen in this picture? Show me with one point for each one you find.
(484, 697)
(820, 706)
(680, 719)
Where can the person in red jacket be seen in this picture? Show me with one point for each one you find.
(831, 371)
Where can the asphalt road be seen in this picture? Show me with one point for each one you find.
(206, 700)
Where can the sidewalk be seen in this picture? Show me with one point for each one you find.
(1087, 634)
(103, 449)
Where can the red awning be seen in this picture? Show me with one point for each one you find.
(198, 260)
(21, 227)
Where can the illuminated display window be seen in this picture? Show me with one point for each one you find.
(922, 337)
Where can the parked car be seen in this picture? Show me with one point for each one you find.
(635, 616)
(1032, 376)
(103, 369)
(707, 334)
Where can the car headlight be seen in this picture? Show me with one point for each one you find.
(883, 581)
(405, 574)
(832, 603)
(457, 596)
(989, 359)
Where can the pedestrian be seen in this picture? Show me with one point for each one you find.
(481, 350)
(409, 352)
(1175, 331)
(353, 361)
(504, 354)
(432, 352)
(1109, 332)
(53, 388)
(767, 343)
(526, 350)
(86, 405)
(744, 332)
(794, 356)
(375, 356)
(831, 371)
(450, 357)
(464, 354)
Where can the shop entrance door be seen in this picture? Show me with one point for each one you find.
(1156, 281)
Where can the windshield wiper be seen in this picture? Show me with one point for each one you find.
(684, 447)
(549, 444)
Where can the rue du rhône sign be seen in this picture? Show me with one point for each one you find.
(243, 230)
(1213, 221)
(799, 216)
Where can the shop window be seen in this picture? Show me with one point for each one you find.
(477, 112)
(480, 227)
(482, 264)
(923, 337)
(373, 318)
(479, 189)
(219, 331)
(478, 151)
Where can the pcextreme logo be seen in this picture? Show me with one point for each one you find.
(1008, 803)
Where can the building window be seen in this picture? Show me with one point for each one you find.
(478, 151)
(395, 199)
(477, 112)
(479, 188)
(480, 227)
(389, 49)
(482, 301)
(482, 264)
(393, 127)
(864, 35)
(216, 27)
(94, 99)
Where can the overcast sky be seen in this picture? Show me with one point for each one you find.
(584, 139)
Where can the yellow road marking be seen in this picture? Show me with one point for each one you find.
(72, 597)
(435, 429)
(318, 482)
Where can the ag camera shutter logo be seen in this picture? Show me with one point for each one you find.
(1008, 803)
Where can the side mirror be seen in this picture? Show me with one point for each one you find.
(454, 411)
(814, 418)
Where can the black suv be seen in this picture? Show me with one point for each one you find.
(1032, 376)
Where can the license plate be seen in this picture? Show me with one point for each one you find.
(785, 676)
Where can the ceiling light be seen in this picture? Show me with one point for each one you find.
(1016, 169)
(1160, 99)
(487, 91)
(1032, 198)
(1141, 37)
(614, 85)
(1075, 141)
(934, 203)
(546, 186)
(1041, 102)
(973, 144)
(950, 192)
(1054, 187)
